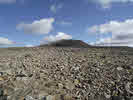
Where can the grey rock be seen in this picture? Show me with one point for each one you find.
(3, 97)
(80, 72)
(29, 98)
(1, 91)
(119, 68)
(49, 97)
(44, 98)
(116, 98)
(127, 87)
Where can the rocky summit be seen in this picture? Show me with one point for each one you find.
(66, 73)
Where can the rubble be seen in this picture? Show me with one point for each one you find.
(55, 73)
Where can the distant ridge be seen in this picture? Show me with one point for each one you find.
(68, 43)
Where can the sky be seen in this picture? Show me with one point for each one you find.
(97, 22)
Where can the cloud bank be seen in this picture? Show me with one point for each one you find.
(5, 41)
(64, 23)
(43, 26)
(7, 1)
(29, 45)
(59, 36)
(122, 33)
(108, 3)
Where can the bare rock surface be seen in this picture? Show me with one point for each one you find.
(51, 73)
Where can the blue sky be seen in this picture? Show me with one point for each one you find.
(32, 22)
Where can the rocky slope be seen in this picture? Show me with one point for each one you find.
(67, 43)
(52, 73)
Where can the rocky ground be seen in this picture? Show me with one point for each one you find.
(50, 73)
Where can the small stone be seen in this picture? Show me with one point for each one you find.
(29, 98)
(69, 85)
(1, 92)
(1, 73)
(127, 87)
(97, 69)
(107, 96)
(68, 97)
(1, 78)
(131, 98)
(49, 97)
(127, 98)
(76, 82)
(44, 98)
(22, 98)
(131, 67)
(3, 97)
(56, 97)
(60, 86)
(119, 68)
(116, 98)
(43, 94)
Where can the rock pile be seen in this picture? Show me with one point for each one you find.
(51, 73)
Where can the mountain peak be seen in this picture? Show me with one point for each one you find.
(68, 43)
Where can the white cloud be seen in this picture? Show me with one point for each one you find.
(29, 45)
(55, 7)
(65, 23)
(5, 41)
(7, 1)
(59, 36)
(108, 3)
(114, 27)
(113, 42)
(122, 32)
(43, 26)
